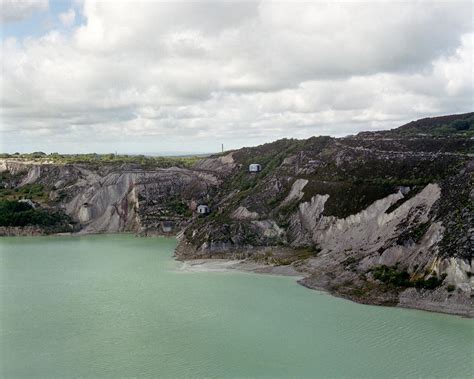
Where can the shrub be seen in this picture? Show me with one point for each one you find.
(401, 278)
(14, 213)
(430, 283)
(391, 276)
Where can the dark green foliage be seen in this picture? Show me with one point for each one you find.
(463, 124)
(270, 156)
(180, 207)
(438, 126)
(414, 191)
(431, 283)
(284, 214)
(14, 213)
(413, 234)
(402, 143)
(406, 170)
(31, 190)
(395, 277)
(456, 211)
(391, 276)
(346, 198)
(38, 154)
(419, 231)
(9, 180)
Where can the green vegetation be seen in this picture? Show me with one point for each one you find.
(15, 213)
(7, 181)
(353, 178)
(419, 231)
(431, 283)
(346, 198)
(271, 156)
(7, 176)
(414, 191)
(180, 207)
(439, 126)
(394, 277)
(391, 276)
(110, 159)
(287, 257)
(33, 192)
(455, 209)
(414, 234)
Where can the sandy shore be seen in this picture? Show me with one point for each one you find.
(224, 265)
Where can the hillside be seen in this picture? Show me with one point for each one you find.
(380, 217)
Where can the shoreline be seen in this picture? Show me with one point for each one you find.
(229, 265)
(246, 266)
(416, 302)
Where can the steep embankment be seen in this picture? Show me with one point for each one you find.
(381, 217)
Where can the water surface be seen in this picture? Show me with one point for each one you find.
(116, 306)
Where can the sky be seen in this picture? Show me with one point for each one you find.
(185, 77)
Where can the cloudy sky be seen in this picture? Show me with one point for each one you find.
(167, 77)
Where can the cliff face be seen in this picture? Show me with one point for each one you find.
(118, 199)
(382, 217)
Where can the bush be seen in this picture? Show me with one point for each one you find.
(14, 213)
(393, 276)
(461, 125)
(430, 283)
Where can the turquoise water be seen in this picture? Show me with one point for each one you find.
(116, 306)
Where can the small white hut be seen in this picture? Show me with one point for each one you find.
(255, 167)
(203, 209)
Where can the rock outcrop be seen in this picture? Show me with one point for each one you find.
(119, 199)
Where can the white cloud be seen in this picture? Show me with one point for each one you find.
(67, 18)
(17, 10)
(175, 75)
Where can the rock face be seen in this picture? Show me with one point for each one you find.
(120, 199)
(381, 217)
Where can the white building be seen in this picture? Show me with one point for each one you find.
(255, 167)
(203, 209)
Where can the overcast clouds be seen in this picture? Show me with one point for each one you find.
(159, 77)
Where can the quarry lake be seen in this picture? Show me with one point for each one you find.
(118, 306)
